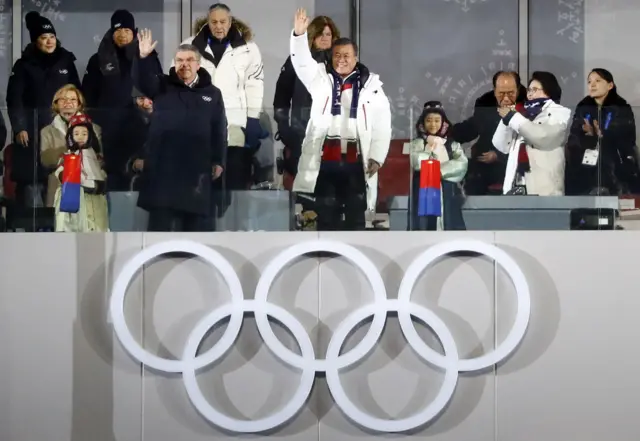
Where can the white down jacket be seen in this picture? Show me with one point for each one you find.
(239, 76)
(544, 137)
(373, 119)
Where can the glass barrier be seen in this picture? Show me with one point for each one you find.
(565, 171)
(587, 180)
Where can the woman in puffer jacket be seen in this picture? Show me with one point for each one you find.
(44, 67)
(601, 149)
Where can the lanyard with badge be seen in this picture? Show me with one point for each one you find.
(590, 157)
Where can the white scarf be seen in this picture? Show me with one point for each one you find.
(91, 169)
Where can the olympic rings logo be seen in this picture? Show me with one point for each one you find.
(307, 363)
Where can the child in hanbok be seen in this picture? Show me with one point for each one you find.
(92, 213)
(432, 143)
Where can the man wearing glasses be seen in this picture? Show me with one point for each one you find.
(487, 165)
(187, 139)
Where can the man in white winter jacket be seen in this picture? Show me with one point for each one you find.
(234, 62)
(348, 134)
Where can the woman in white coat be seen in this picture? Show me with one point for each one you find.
(534, 139)
(348, 134)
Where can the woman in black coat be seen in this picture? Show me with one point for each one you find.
(45, 66)
(601, 149)
(292, 101)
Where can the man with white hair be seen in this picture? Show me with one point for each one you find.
(186, 143)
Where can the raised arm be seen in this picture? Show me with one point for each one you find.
(545, 136)
(303, 63)
(144, 69)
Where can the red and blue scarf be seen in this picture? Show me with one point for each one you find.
(351, 82)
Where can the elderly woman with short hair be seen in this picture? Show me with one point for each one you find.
(67, 101)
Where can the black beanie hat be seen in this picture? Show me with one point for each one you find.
(123, 19)
(38, 25)
(549, 84)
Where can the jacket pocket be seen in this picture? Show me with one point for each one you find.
(364, 112)
(324, 109)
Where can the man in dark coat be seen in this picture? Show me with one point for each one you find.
(487, 165)
(187, 139)
(107, 86)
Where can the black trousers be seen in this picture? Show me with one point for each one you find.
(118, 181)
(237, 176)
(239, 168)
(178, 221)
(341, 197)
(480, 177)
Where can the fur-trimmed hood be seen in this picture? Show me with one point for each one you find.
(240, 26)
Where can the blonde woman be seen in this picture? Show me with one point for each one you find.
(67, 102)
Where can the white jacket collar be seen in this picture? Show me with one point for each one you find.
(60, 124)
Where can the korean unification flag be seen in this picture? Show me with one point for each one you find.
(429, 201)
(71, 182)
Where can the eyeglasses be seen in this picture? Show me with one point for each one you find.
(533, 90)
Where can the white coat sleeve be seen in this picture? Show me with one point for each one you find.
(303, 63)
(254, 82)
(545, 136)
(380, 120)
(502, 137)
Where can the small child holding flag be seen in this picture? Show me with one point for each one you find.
(81, 202)
(439, 165)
